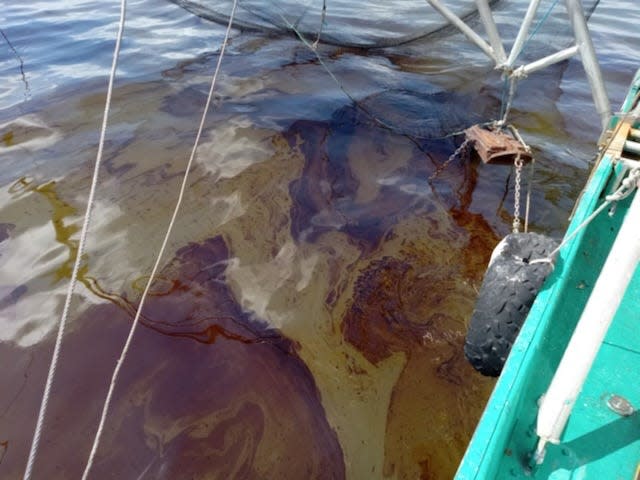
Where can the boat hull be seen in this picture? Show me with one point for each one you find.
(597, 442)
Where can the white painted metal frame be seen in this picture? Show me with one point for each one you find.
(492, 30)
(457, 22)
(522, 33)
(494, 49)
(589, 59)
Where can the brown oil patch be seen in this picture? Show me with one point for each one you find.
(392, 310)
(400, 259)
(61, 212)
(415, 303)
(206, 359)
(7, 139)
(236, 403)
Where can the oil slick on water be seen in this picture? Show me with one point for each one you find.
(309, 320)
(264, 351)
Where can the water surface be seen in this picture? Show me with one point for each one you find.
(309, 317)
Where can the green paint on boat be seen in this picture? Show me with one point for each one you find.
(597, 443)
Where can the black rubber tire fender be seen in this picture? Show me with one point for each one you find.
(509, 287)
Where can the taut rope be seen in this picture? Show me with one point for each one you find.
(76, 266)
(136, 320)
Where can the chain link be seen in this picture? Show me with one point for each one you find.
(518, 163)
(462, 149)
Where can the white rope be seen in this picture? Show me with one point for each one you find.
(76, 266)
(627, 187)
(528, 203)
(136, 320)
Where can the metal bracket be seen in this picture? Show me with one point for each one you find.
(496, 146)
(495, 50)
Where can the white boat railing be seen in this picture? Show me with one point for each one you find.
(494, 48)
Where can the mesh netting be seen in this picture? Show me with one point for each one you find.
(368, 24)
(363, 24)
(416, 111)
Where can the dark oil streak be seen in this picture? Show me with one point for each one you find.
(202, 336)
(504, 195)
(62, 210)
(211, 333)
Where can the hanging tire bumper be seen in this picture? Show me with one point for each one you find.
(508, 290)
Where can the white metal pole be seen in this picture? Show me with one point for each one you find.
(591, 329)
(525, 70)
(522, 33)
(464, 28)
(631, 146)
(492, 30)
(589, 60)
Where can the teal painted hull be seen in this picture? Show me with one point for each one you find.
(597, 443)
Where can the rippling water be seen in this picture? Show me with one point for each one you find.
(309, 317)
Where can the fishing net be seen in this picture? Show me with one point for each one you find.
(368, 24)
(403, 105)
(360, 24)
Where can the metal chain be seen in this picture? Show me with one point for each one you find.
(518, 163)
(462, 149)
